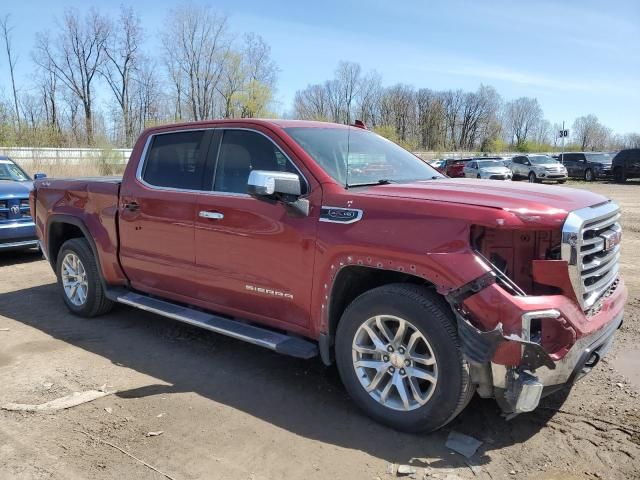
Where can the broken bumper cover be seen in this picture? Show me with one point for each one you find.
(521, 382)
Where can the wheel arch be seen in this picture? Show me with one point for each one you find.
(61, 228)
(350, 282)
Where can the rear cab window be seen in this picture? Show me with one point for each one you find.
(176, 160)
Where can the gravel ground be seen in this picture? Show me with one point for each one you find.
(228, 410)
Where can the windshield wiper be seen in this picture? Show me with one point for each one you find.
(382, 181)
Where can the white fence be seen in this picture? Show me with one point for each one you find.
(66, 156)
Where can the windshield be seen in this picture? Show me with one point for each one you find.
(489, 163)
(10, 171)
(599, 157)
(370, 158)
(541, 159)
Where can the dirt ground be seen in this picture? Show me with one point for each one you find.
(229, 410)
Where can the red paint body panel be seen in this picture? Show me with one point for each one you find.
(422, 229)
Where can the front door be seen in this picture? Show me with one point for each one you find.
(157, 212)
(254, 258)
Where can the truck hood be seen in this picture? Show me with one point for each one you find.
(521, 198)
(10, 189)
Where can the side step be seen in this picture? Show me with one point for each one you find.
(279, 342)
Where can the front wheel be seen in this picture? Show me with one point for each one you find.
(533, 178)
(398, 356)
(79, 279)
(588, 175)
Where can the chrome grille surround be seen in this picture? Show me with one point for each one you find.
(592, 268)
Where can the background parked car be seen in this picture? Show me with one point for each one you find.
(492, 169)
(17, 230)
(454, 167)
(438, 164)
(537, 168)
(626, 164)
(586, 165)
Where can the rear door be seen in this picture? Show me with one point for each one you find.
(254, 258)
(157, 212)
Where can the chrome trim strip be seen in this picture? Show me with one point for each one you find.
(27, 243)
(17, 225)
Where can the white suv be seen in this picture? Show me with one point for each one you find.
(537, 168)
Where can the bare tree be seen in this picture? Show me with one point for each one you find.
(6, 35)
(75, 57)
(196, 45)
(522, 115)
(590, 133)
(122, 54)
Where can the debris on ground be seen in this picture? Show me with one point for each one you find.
(73, 400)
(4, 329)
(154, 434)
(406, 470)
(462, 444)
(108, 410)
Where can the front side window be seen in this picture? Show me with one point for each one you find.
(11, 171)
(175, 160)
(242, 151)
(352, 156)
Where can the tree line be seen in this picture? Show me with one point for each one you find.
(448, 120)
(95, 81)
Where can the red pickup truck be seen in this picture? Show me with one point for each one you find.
(423, 289)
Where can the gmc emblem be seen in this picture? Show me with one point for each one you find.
(611, 239)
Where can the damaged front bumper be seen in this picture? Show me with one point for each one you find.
(506, 363)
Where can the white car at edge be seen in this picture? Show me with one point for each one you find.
(492, 169)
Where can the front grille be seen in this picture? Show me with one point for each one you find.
(591, 247)
(12, 209)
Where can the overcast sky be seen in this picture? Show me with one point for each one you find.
(576, 57)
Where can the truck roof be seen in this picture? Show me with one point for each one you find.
(254, 121)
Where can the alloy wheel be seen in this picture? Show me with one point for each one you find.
(74, 279)
(394, 362)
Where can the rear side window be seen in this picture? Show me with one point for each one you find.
(242, 151)
(175, 160)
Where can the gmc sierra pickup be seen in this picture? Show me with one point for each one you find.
(313, 238)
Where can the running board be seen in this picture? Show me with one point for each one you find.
(279, 342)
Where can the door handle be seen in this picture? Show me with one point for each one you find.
(132, 206)
(211, 215)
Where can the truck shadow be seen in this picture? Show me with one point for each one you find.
(14, 257)
(303, 397)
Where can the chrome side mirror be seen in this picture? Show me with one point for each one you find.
(263, 183)
(279, 186)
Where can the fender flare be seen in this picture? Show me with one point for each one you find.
(75, 221)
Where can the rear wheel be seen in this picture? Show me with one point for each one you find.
(79, 279)
(619, 176)
(398, 356)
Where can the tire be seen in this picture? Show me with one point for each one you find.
(562, 181)
(94, 301)
(424, 312)
(478, 176)
(619, 176)
(588, 175)
(533, 178)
